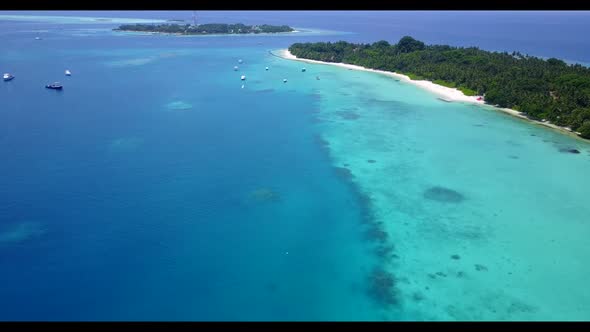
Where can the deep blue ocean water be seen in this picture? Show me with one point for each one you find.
(117, 205)
(155, 187)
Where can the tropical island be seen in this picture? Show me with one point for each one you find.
(542, 90)
(203, 29)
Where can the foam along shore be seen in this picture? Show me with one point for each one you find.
(446, 93)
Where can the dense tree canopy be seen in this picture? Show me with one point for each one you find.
(408, 44)
(210, 28)
(542, 89)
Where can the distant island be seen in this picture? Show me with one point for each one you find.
(203, 29)
(543, 90)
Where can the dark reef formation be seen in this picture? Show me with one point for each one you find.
(322, 142)
(385, 251)
(480, 267)
(382, 287)
(569, 150)
(444, 195)
(343, 172)
(375, 233)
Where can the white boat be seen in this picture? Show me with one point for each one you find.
(54, 86)
(68, 73)
(303, 70)
(266, 68)
(240, 61)
(7, 77)
(37, 38)
(235, 68)
(284, 80)
(243, 78)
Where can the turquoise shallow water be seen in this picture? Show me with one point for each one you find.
(155, 187)
(486, 214)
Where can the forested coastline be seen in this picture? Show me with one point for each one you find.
(209, 28)
(542, 89)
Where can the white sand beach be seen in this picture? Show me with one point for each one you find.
(446, 93)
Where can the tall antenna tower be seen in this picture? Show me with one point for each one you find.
(194, 18)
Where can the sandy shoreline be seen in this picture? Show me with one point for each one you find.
(446, 93)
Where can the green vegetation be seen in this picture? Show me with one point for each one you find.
(414, 76)
(445, 83)
(542, 89)
(585, 129)
(467, 91)
(210, 28)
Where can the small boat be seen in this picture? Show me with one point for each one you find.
(68, 73)
(7, 77)
(284, 80)
(266, 68)
(235, 68)
(37, 38)
(240, 61)
(317, 78)
(243, 78)
(54, 86)
(303, 70)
